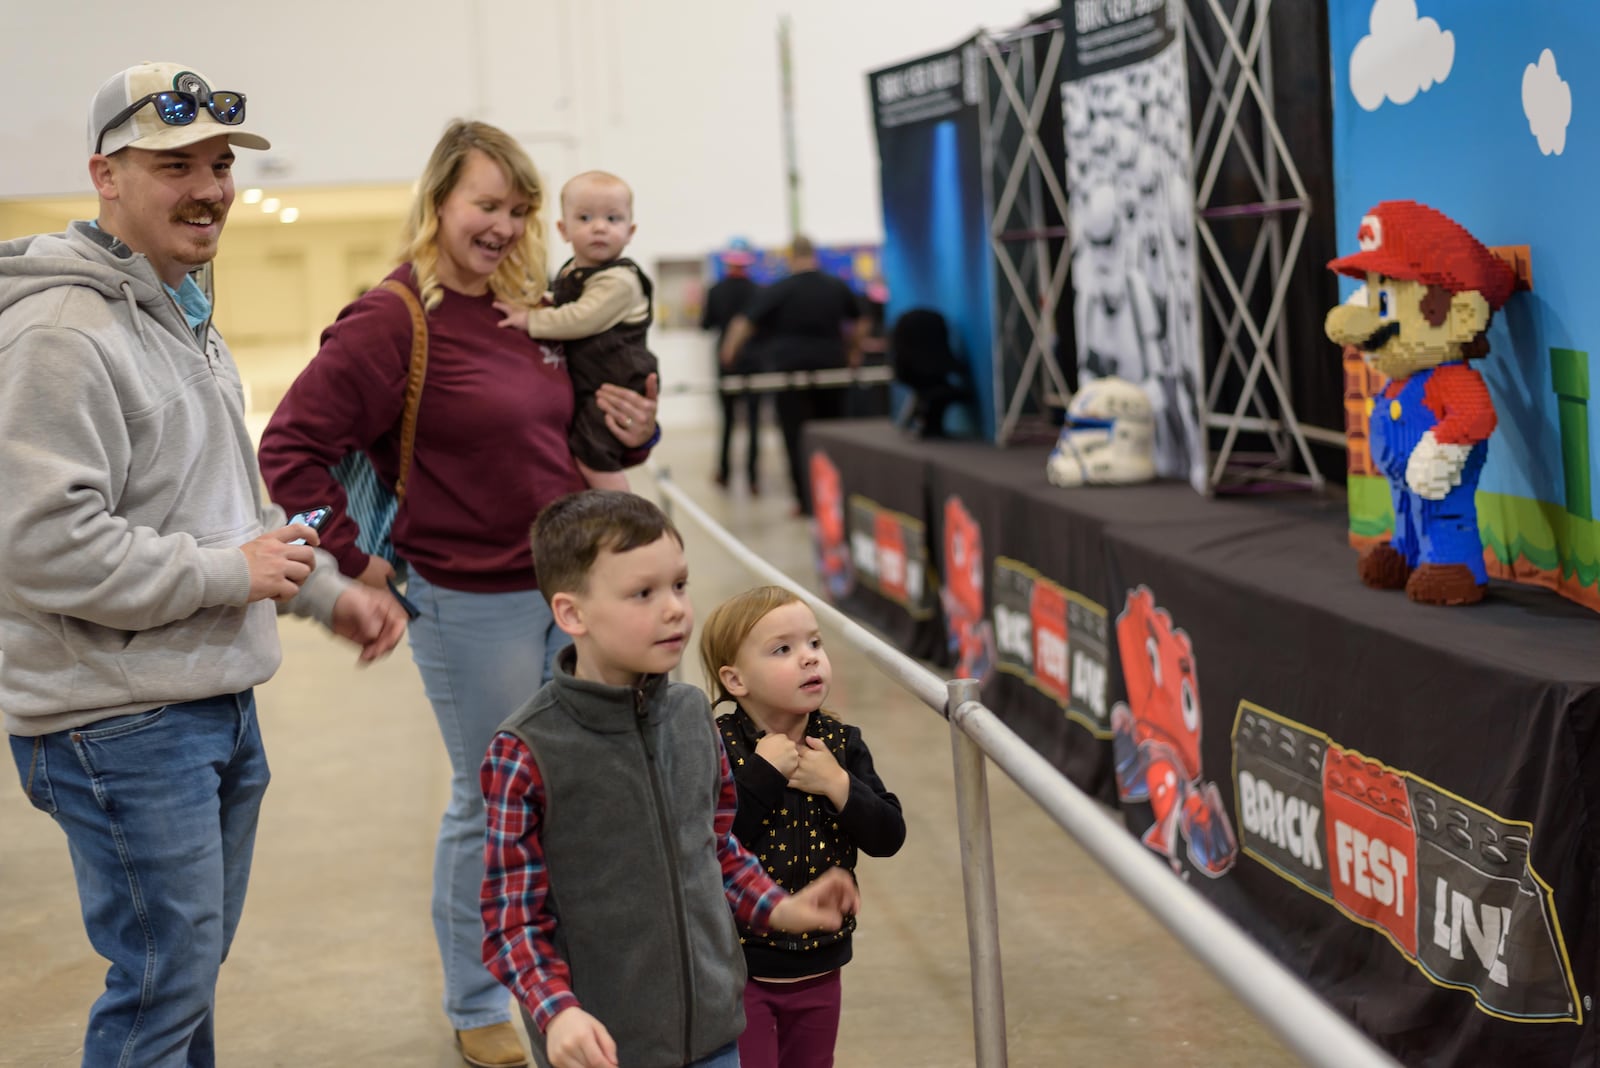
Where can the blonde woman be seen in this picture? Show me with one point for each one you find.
(490, 452)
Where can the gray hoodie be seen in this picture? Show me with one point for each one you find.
(128, 481)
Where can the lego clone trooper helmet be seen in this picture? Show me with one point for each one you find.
(1108, 439)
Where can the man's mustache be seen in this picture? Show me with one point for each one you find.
(1380, 337)
(194, 211)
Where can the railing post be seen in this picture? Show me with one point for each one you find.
(663, 473)
(977, 877)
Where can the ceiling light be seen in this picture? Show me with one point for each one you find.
(269, 205)
(288, 215)
(251, 196)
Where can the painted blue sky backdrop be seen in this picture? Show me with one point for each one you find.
(1464, 146)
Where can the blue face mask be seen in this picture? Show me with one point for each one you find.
(192, 302)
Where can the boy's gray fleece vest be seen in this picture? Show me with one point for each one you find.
(631, 782)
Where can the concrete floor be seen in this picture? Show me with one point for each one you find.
(335, 961)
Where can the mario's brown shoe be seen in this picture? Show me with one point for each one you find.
(1383, 568)
(1444, 584)
(495, 1046)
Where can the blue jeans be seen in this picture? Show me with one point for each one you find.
(160, 811)
(482, 656)
(726, 1057)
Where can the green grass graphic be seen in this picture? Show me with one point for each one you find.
(1540, 534)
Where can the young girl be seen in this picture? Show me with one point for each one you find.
(808, 800)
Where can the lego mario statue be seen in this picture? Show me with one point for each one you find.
(1431, 291)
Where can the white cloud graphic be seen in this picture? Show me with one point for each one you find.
(1547, 101)
(1400, 57)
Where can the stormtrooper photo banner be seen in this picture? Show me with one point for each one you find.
(1109, 34)
(1125, 108)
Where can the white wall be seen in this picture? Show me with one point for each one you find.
(680, 98)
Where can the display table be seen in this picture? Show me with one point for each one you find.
(1398, 800)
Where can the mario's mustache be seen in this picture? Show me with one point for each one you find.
(1379, 337)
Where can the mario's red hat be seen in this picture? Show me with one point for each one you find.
(1414, 243)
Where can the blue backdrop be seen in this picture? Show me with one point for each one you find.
(936, 245)
(1467, 146)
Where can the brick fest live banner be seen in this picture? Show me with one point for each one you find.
(1402, 803)
(1401, 814)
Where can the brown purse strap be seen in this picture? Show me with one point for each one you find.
(419, 371)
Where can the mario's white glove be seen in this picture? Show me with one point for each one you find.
(1434, 469)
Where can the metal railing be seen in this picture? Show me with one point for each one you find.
(1303, 1021)
(780, 381)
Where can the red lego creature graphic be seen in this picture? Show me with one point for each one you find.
(1156, 740)
(832, 546)
(971, 635)
(1432, 289)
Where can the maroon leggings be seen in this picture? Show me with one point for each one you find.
(790, 1025)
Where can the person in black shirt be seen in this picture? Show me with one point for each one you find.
(811, 322)
(724, 302)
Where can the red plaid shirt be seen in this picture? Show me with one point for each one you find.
(517, 941)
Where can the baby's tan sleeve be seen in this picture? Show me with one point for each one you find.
(607, 299)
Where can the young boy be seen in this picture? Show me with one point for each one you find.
(602, 311)
(613, 877)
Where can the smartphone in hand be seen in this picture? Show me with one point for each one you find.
(315, 518)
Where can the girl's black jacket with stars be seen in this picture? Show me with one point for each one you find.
(798, 836)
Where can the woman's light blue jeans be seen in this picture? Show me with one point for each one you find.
(160, 812)
(482, 656)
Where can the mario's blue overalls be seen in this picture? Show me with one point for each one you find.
(1426, 532)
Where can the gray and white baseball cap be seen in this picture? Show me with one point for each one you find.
(165, 105)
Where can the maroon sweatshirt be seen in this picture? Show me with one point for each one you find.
(491, 445)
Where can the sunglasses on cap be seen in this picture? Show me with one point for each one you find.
(180, 107)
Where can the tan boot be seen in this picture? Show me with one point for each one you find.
(495, 1046)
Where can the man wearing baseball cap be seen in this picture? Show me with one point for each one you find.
(139, 566)
(724, 301)
(1431, 291)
